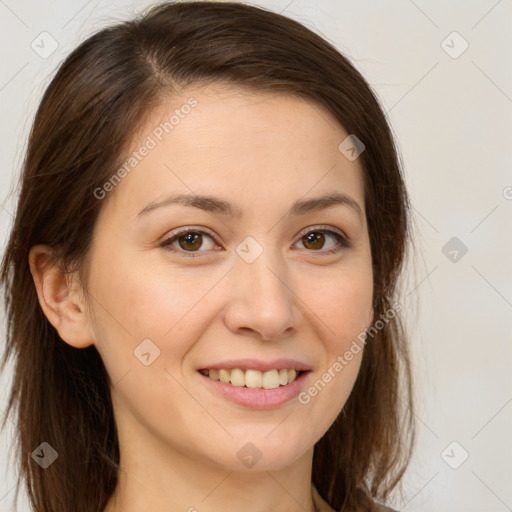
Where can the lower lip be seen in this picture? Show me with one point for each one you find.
(257, 398)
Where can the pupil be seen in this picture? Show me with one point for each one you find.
(190, 238)
(313, 238)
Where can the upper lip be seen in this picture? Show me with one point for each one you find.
(257, 364)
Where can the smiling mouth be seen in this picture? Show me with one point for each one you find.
(255, 379)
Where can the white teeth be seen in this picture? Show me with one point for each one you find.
(253, 378)
(237, 377)
(271, 379)
(224, 375)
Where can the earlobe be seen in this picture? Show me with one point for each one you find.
(59, 297)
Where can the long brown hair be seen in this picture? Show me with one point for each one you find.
(79, 137)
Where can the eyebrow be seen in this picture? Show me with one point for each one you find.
(220, 206)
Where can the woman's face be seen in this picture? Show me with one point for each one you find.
(261, 282)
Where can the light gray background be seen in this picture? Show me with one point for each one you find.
(452, 119)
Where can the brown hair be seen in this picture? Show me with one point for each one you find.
(110, 82)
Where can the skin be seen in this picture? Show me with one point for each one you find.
(178, 440)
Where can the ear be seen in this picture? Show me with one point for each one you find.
(60, 298)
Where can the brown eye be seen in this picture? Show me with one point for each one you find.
(189, 241)
(314, 240)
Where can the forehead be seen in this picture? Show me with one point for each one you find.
(230, 116)
(256, 147)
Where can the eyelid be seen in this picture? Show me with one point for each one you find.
(192, 228)
(322, 227)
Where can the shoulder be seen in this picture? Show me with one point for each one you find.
(323, 506)
(377, 507)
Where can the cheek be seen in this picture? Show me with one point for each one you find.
(329, 391)
(139, 300)
(344, 303)
(145, 298)
(342, 307)
(140, 304)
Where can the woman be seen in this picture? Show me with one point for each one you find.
(200, 280)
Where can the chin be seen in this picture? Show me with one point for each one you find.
(262, 452)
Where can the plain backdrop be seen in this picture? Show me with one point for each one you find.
(442, 72)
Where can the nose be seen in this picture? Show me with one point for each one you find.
(262, 300)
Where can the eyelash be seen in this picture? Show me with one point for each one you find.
(343, 241)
